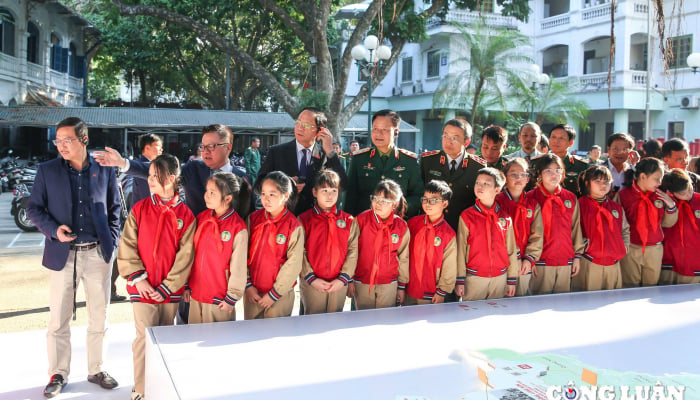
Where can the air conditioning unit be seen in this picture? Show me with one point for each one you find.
(396, 91)
(689, 102)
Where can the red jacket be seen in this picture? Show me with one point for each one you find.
(268, 251)
(160, 230)
(322, 229)
(564, 241)
(630, 198)
(214, 239)
(424, 286)
(682, 240)
(524, 213)
(475, 255)
(601, 224)
(392, 248)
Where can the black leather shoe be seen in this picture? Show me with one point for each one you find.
(104, 380)
(116, 298)
(55, 386)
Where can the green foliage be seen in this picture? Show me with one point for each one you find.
(103, 79)
(554, 102)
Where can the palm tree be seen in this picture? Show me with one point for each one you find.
(554, 102)
(487, 68)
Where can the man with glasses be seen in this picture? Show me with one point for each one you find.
(455, 166)
(676, 154)
(530, 134)
(383, 161)
(620, 155)
(75, 203)
(561, 138)
(303, 158)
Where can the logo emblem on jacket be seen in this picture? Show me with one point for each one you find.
(659, 204)
(502, 222)
(180, 223)
(615, 214)
(529, 212)
(399, 168)
(567, 203)
(697, 213)
(340, 224)
(394, 238)
(280, 239)
(225, 236)
(437, 241)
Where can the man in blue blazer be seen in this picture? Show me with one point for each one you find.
(302, 158)
(75, 203)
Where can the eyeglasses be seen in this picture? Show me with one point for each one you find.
(453, 139)
(304, 125)
(64, 141)
(210, 147)
(518, 175)
(431, 200)
(553, 171)
(381, 201)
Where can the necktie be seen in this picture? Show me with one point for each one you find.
(647, 218)
(453, 167)
(426, 237)
(265, 230)
(520, 224)
(685, 215)
(491, 223)
(211, 220)
(602, 213)
(303, 166)
(166, 211)
(384, 236)
(333, 245)
(551, 198)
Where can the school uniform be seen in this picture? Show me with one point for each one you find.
(606, 236)
(527, 226)
(487, 256)
(156, 245)
(432, 260)
(681, 242)
(219, 272)
(647, 215)
(382, 264)
(331, 253)
(275, 254)
(563, 241)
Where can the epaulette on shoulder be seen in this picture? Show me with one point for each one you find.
(361, 151)
(409, 153)
(579, 159)
(477, 159)
(537, 156)
(430, 153)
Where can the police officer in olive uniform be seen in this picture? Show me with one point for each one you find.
(494, 140)
(455, 166)
(383, 161)
(561, 138)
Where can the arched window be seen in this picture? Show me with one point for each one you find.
(76, 62)
(7, 32)
(33, 43)
(59, 55)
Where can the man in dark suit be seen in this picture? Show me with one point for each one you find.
(151, 146)
(216, 147)
(75, 203)
(303, 158)
(455, 166)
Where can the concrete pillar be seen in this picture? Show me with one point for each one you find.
(622, 120)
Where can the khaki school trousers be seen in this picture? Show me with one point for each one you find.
(642, 269)
(381, 296)
(280, 308)
(145, 316)
(481, 288)
(317, 302)
(551, 279)
(206, 312)
(600, 277)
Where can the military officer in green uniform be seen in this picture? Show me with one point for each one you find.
(494, 140)
(455, 166)
(252, 159)
(561, 138)
(383, 161)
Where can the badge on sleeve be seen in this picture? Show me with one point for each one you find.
(340, 224)
(225, 236)
(180, 223)
(394, 238)
(437, 241)
(659, 203)
(567, 203)
(529, 212)
(281, 239)
(697, 213)
(615, 214)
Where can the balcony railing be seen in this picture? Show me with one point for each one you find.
(641, 8)
(597, 12)
(553, 22)
(9, 64)
(463, 17)
(35, 72)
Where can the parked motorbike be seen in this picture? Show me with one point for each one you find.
(19, 208)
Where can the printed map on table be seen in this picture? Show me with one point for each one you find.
(516, 376)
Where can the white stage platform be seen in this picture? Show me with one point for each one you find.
(415, 352)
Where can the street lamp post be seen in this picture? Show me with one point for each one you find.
(537, 78)
(368, 58)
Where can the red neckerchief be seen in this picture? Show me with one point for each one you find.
(384, 234)
(332, 244)
(214, 222)
(166, 211)
(547, 207)
(686, 213)
(267, 229)
(426, 238)
(645, 219)
(491, 221)
(600, 213)
(520, 220)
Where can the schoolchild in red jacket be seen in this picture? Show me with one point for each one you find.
(563, 242)
(155, 256)
(487, 256)
(218, 277)
(605, 230)
(275, 250)
(648, 210)
(527, 220)
(382, 265)
(433, 249)
(682, 240)
(331, 249)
